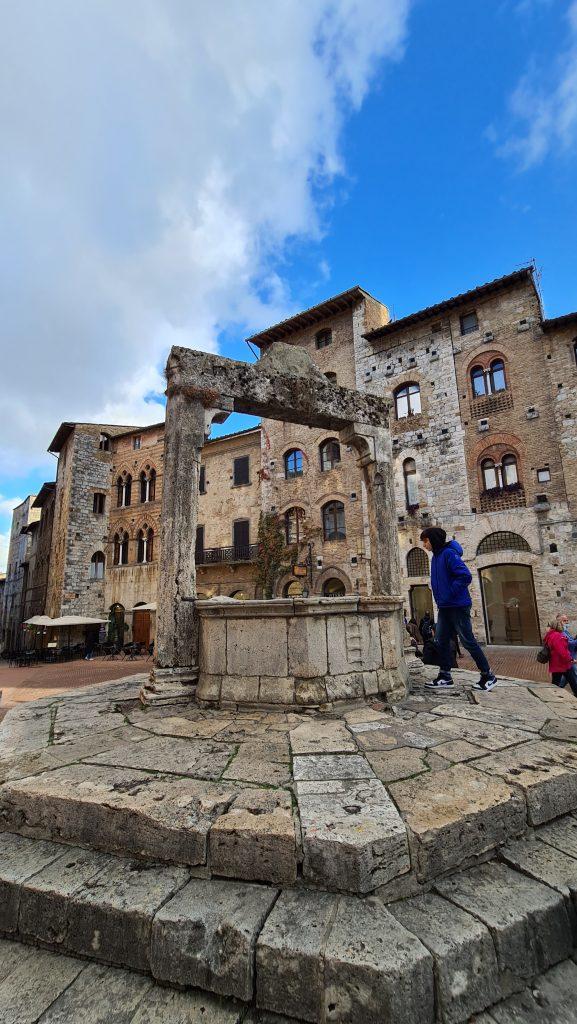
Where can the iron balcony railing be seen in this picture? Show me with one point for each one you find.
(236, 553)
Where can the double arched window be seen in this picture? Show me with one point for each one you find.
(145, 545)
(293, 519)
(411, 484)
(293, 464)
(489, 380)
(407, 401)
(123, 490)
(501, 476)
(120, 555)
(97, 566)
(330, 452)
(147, 485)
(334, 521)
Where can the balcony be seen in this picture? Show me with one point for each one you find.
(217, 556)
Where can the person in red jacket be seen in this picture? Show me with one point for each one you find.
(561, 664)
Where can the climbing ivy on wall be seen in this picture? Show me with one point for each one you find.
(272, 554)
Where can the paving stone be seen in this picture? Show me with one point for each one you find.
(365, 714)
(163, 1006)
(353, 836)
(543, 862)
(290, 954)
(205, 936)
(529, 922)
(319, 767)
(562, 834)
(560, 729)
(405, 734)
(459, 750)
(466, 970)
(375, 970)
(179, 725)
(34, 762)
(402, 763)
(248, 768)
(35, 978)
(255, 840)
(19, 859)
(202, 759)
(117, 809)
(490, 737)
(322, 737)
(515, 716)
(454, 815)
(99, 995)
(549, 1000)
(544, 771)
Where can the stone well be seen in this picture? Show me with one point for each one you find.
(301, 651)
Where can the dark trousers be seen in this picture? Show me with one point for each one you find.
(457, 620)
(562, 678)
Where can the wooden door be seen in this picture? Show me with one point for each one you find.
(141, 627)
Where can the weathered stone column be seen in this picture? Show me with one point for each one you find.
(376, 460)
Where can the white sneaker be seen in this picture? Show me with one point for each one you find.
(442, 682)
(486, 683)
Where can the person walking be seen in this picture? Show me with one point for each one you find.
(561, 664)
(563, 621)
(450, 581)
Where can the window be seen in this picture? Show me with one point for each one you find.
(241, 538)
(145, 539)
(293, 464)
(509, 471)
(334, 588)
(241, 470)
(417, 562)
(199, 546)
(407, 401)
(120, 556)
(490, 478)
(505, 475)
(98, 501)
(490, 381)
(331, 377)
(502, 540)
(469, 323)
(293, 589)
(544, 475)
(323, 338)
(293, 518)
(123, 490)
(411, 485)
(97, 566)
(334, 521)
(330, 452)
(136, 442)
(147, 485)
(104, 443)
(202, 480)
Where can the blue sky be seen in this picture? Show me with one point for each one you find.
(191, 178)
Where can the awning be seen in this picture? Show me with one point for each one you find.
(144, 607)
(39, 620)
(75, 620)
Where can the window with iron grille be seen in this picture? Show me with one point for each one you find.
(417, 562)
(502, 540)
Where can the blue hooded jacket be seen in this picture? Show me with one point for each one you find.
(450, 577)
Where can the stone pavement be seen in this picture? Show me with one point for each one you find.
(357, 863)
(512, 661)
(18, 685)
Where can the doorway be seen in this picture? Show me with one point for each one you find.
(240, 539)
(421, 601)
(509, 605)
(141, 627)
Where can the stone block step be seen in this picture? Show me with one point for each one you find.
(483, 935)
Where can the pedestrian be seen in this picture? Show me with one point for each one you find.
(563, 621)
(413, 631)
(561, 664)
(450, 581)
(427, 627)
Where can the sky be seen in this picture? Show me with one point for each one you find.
(174, 172)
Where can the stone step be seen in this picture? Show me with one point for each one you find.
(479, 937)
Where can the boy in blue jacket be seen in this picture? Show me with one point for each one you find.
(450, 581)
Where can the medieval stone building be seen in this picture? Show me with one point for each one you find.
(483, 392)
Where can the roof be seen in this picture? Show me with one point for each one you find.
(330, 307)
(235, 433)
(125, 432)
(43, 494)
(65, 429)
(559, 322)
(500, 283)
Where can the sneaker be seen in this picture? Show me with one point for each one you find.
(443, 681)
(486, 682)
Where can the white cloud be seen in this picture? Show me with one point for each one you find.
(544, 105)
(156, 157)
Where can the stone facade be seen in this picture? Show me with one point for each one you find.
(12, 610)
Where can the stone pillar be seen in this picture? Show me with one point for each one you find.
(376, 461)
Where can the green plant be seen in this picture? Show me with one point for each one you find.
(271, 558)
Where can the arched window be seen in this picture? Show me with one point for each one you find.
(509, 471)
(143, 487)
(505, 475)
(147, 485)
(145, 538)
(502, 540)
(334, 588)
(478, 381)
(293, 589)
(104, 443)
(411, 485)
(97, 566)
(491, 477)
(293, 464)
(497, 376)
(334, 521)
(293, 518)
(407, 401)
(123, 490)
(120, 555)
(417, 562)
(152, 485)
(330, 452)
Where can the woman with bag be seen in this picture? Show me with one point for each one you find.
(561, 664)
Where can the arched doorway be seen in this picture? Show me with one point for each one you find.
(509, 605)
(421, 601)
(334, 588)
(141, 626)
(293, 589)
(116, 624)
